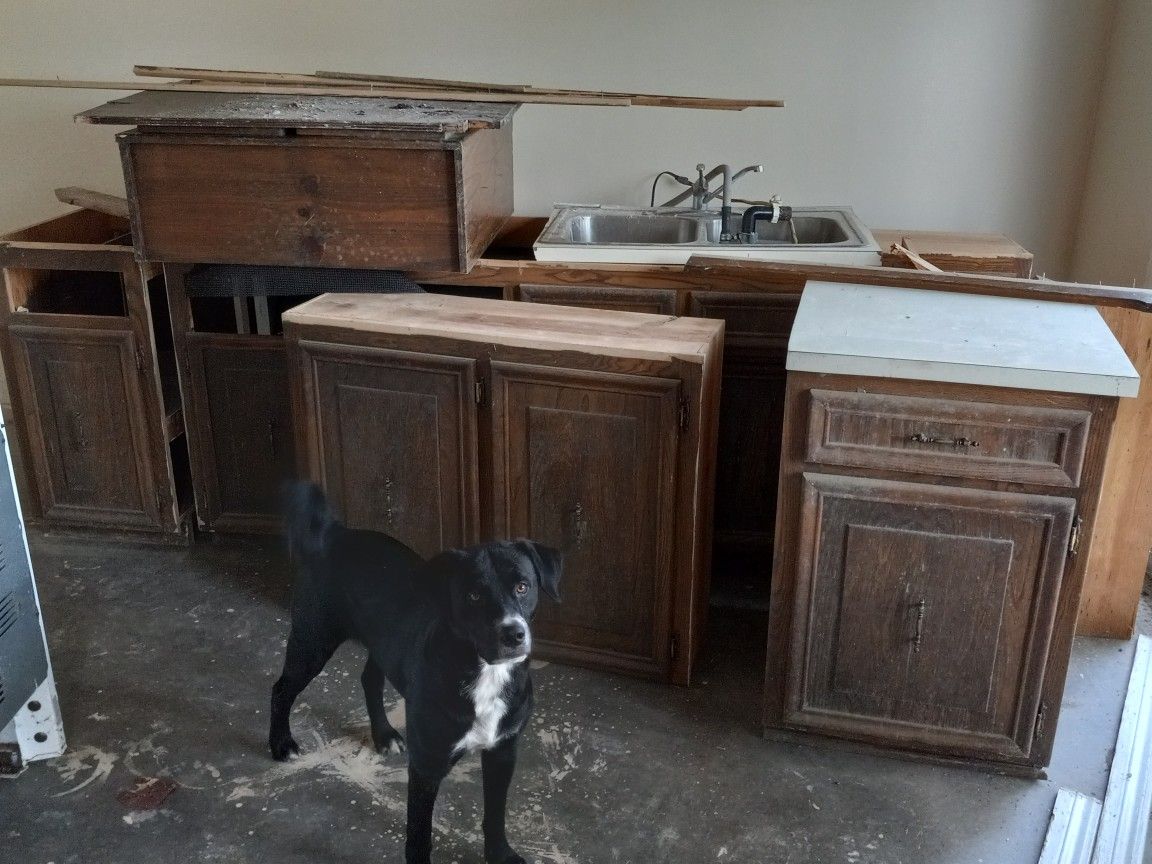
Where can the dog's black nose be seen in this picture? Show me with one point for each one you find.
(513, 635)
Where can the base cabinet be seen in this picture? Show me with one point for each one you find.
(928, 602)
(416, 427)
(96, 416)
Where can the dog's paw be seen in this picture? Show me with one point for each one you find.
(283, 748)
(389, 742)
(505, 855)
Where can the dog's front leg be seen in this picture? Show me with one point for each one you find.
(498, 764)
(422, 789)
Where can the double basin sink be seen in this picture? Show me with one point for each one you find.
(832, 235)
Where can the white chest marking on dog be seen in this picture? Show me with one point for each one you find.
(488, 697)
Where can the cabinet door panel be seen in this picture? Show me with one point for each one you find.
(244, 429)
(398, 443)
(89, 439)
(923, 613)
(756, 329)
(586, 462)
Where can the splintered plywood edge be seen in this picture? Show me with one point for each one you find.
(300, 111)
(529, 325)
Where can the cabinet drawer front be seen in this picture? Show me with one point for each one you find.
(923, 614)
(750, 318)
(656, 301)
(585, 462)
(950, 438)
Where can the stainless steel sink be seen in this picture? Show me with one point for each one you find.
(644, 228)
(672, 235)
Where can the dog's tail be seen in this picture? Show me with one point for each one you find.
(308, 520)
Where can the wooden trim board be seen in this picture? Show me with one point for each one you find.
(1072, 830)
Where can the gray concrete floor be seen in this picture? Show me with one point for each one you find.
(164, 659)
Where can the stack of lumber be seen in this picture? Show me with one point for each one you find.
(389, 86)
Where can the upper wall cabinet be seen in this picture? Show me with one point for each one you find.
(326, 181)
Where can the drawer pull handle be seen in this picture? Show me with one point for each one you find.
(389, 511)
(921, 609)
(921, 438)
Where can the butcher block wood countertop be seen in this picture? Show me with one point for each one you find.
(528, 325)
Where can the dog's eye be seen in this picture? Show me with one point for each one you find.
(474, 597)
(521, 587)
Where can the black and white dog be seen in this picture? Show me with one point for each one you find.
(451, 634)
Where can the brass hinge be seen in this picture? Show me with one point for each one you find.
(1074, 537)
(683, 414)
(1038, 730)
(479, 388)
(139, 360)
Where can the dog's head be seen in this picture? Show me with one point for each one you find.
(489, 593)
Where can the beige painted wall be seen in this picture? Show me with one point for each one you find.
(937, 114)
(1115, 236)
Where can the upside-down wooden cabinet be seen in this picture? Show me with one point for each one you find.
(446, 421)
(941, 463)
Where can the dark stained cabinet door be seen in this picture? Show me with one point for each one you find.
(756, 330)
(245, 441)
(923, 613)
(586, 462)
(397, 442)
(89, 444)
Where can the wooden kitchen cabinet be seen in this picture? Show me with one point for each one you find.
(327, 181)
(88, 354)
(931, 521)
(447, 421)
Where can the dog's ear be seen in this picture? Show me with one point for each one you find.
(548, 563)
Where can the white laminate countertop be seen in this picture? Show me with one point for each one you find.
(962, 338)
